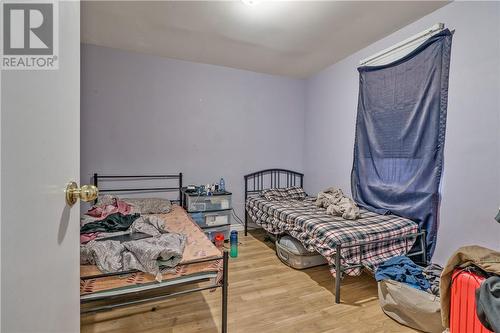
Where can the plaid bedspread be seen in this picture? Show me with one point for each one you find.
(320, 232)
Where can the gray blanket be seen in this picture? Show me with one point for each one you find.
(148, 255)
(336, 203)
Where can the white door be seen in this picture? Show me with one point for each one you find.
(40, 153)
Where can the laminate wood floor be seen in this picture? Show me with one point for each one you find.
(264, 296)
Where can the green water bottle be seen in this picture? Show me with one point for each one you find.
(233, 241)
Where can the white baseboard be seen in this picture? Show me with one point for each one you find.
(240, 227)
(237, 227)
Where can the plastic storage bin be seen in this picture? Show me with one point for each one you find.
(292, 253)
(212, 219)
(200, 203)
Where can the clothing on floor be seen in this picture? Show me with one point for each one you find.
(486, 259)
(488, 303)
(116, 206)
(113, 222)
(336, 203)
(402, 269)
(433, 274)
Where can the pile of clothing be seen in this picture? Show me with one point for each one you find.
(336, 203)
(154, 250)
(403, 269)
(106, 218)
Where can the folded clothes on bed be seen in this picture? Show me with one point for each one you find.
(336, 203)
(113, 222)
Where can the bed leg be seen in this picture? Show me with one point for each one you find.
(423, 244)
(338, 274)
(246, 223)
(225, 266)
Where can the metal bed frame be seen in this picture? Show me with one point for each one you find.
(258, 181)
(177, 282)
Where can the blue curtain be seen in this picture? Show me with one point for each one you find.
(400, 131)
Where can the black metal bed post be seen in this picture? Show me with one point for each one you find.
(180, 189)
(95, 181)
(244, 206)
(423, 244)
(225, 266)
(338, 273)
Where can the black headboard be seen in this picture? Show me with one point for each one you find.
(173, 183)
(258, 181)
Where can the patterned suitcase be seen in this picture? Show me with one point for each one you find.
(463, 317)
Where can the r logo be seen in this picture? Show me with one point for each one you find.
(28, 29)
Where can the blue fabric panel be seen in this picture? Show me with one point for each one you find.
(400, 131)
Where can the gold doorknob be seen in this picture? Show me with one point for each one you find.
(85, 193)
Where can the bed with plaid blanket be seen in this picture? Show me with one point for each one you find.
(321, 232)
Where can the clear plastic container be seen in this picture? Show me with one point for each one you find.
(195, 203)
(212, 219)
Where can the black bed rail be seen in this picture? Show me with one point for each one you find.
(176, 187)
(223, 284)
(258, 181)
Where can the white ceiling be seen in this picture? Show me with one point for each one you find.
(292, 38)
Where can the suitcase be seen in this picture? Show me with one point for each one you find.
(294, 254)
(463, 317)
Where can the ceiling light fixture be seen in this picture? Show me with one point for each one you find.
(251, 2)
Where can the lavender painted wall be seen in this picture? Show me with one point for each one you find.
(471, 183)
(146, 114)
(149, 114)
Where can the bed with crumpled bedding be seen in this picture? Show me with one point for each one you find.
(319, 231)
(195, 261)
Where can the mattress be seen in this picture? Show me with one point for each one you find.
(321, 232)
(198, 248)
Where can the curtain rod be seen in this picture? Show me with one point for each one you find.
(404, 44)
